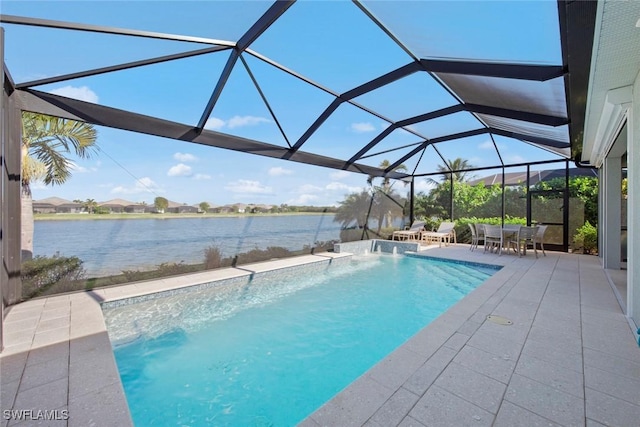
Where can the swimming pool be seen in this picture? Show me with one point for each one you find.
(271, 351)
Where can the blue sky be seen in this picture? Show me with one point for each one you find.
(338, 47)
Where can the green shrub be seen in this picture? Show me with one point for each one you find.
(586, 238)
(257, 255)
(42, 273)
(175, 268)
(133, 275)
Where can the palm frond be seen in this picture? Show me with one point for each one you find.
(48, 141)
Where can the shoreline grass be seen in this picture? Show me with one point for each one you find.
(84, 217)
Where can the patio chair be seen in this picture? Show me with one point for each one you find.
(493, 237)
(474, 237)
(480, 232)
(524, 237)
(443, 234)
(410, 233)
(540, 238)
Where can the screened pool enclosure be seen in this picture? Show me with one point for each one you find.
(396, 110)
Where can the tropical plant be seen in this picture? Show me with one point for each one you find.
(386, 205)
(586, 237)
(584, 188)
(90, 205)
(40, 274)
(386, 182)
(160, 204)
(354, 210)
(458, 167)
(47, 143)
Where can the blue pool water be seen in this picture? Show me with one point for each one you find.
(270, 352)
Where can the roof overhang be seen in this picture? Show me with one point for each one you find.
(614, 67)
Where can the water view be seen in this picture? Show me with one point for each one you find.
(110, 246)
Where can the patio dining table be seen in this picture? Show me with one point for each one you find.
(508, 231)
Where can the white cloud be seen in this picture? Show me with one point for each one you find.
(339, 175)
(38, 185)
(278, 171)
(241, 121)
(76, 168)
(201, 176)
(247, 186)
(423, 185)
(362, 127)
(477, 161)
(214, 123)
(488, 145)
(340, 186)
(179, 170)
(82, 93)
(303, 199)
(309, 188)
(143, 185)
(185, 157)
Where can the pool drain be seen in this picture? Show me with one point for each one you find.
(499, 320)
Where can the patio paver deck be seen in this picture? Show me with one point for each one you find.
(569, 358)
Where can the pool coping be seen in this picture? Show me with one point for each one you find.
(357, 403)
(65, 336)
(68, 331)
(569, 356)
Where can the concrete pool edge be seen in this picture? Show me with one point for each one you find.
(567, 326)
(360, 400)
(69, 332)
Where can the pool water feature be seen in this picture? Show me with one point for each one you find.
(271, 351)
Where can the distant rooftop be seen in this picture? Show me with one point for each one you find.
(518, 178)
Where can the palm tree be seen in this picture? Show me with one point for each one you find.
(353, 209)
(460, 166)
(384, 208)
(46, 143)
(90, 205)
(386, 182)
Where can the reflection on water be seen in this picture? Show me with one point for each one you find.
(110, 246)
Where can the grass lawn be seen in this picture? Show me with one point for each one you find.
(81, 217)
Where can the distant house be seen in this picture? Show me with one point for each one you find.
(56, 205)
(71, 207)
(135, 208)
(520, 178)
(41, 207)
(260, 208)
(227, 209)
(117, 205)
(175, 207)
(213, 209)
(187, 209)
(240, 207)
